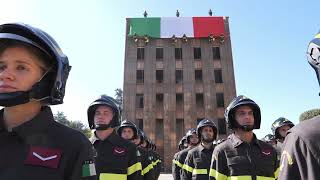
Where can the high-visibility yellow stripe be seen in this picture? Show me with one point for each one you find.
(239, 178)
(177, 163)
(147, 169)
(217, 175)
(317, 36)
(108, 176)
(265, 178)
(134, 168)
(199, 171)
(187, 168)
(276, 173)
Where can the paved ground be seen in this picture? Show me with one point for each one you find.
(165, 177)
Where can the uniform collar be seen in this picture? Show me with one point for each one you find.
(237, 141)
(201, 147)
(113, 138)
(39, 123)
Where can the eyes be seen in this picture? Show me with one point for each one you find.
(243, 113)
(18, 67)
(105, 113)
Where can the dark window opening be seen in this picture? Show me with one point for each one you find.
(220, 100)
(216, 52)
(199, 100)
(159, 53)
(222, 126)
(178, 53)
(179, 76)
(139, 100)
(197, 53)
(140, 76)
(198, 75)
(159, 76)
(218, 76)
(140, 124)
(140, 53)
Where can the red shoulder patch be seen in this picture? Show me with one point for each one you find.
(42, 156)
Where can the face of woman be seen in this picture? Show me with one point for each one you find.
(19, 70)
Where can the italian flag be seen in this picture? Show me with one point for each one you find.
(194, 27)
(88, 169)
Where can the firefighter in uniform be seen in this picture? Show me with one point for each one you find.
(154, 158)
(116, 158)
(33, 75)
(279, 129)
(197, 163)
(180, 157)
(242, 155)
(129, 131)
(270, 139)
(300, 159)
(175, 172)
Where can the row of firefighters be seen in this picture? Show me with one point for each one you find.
(122, 150)
(239, 157)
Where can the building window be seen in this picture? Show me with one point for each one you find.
(198, 75)
(179, 129)
(178, 53)
(159, 98)
(140, 53)
(220, 100)
(216, 52)
(197, 53)
(159, 53)
(218, 76)
(179, 98)
(159, 76)
(179, 76)
(140, 76)
(179, 102)
(140, 124)
(160, 136)
(139, 100)
(222, 126)
(199, 100)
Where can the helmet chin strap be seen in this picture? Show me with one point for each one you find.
(100, 127)
(246, 128)
(22, 97)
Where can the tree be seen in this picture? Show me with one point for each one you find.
(77, 125)
(119, 97)
(309, 114)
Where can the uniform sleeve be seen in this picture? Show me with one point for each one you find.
(84, 167)
(176, 167)
(148, 170)
(297, 162)
(219, 167)
(134, 166)
(187, 168)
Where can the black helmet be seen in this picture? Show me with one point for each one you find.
(313, 55)
(190, 133)
(103, 100)
(51, 88)
(207, 122)
(268, 138)
(279, 123)
(230, 113)
(129, 124)
(182, 142)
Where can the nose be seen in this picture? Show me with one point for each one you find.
(6, 74)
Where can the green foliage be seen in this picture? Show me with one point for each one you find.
(309, 114)
(77, 125)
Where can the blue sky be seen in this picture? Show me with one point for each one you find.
(269, 41)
